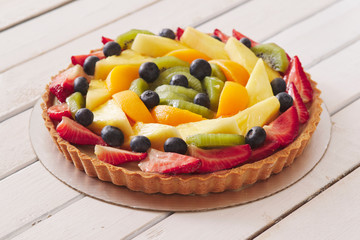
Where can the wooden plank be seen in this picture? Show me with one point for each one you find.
(92, 219)
(29, 195)
(16, 11)
(16, 150)
(243, 221)
(22, 85)
(51, 30)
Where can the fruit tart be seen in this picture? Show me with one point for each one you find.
(182, 112)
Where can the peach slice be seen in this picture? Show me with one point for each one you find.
(174, 116)
(233, 71)
(120, 78)
(188, 55)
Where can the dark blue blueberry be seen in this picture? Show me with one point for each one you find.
(140, 144)
(84, 116)
(202, 99)
(176, 145)
(89, 65)
(149, 71)
(150, 98)
(113, 136)
(285, 100)
(111, 48)
(216, 37)
(81, 85)
(168, 33)
(246, 42)
(179, 80)
(200, 68)
(278, 85)
(255, 137)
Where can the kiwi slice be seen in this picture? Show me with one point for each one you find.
(213, 87)
(75, 101)
(163, 77)
(166, 96)
(139, 86)
(167, 62)
(217, 72)
(126, 39)
(188, 92)
(215, 140)
(273, 55)
(192, 107)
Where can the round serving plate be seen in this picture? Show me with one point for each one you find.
(65, 171)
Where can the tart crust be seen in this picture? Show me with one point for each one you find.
(185, 184)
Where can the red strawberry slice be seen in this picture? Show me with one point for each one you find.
(105, 40)
(285, 128)
(221, 35)
(266, 149)
(220, 159)
(169, 162)
(56, 112)
(76, 133)
(63, 84)
(297, 75)
(116, 156)
(80, 59)
(179, 33)
(301, 109)
(239, 36)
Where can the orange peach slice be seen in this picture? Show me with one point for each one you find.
(174, 116)
(188, 55)
(120, 78)
(233, 71)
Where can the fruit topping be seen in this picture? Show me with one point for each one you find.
(139, 86)
(76, 133)
(84, 116)
(116, 156)
(168, 33)
(278, 85)
(233, 71)
(97, 94)
(220, 159)
(150, 99)
(140, 144)
(301, 109)
(215, 140)
(213, 87)
(202, 99)
(216, 37)
(297, 75)
(239, 36)
(192, 107)
(233, 98)
(167, 62)
(188, 55)
(126, 39)
(255, 137)
(174, 116)
(285, 100)
(56, 112)
(113, 136)
(220, 35)
(75, 101)
(166, 76)
(176, 145)
(169, 162)
(120, 77)
(81, 85)
(179, 33)
(149, 71)
(273, 55)
(105, 40)
(246, 42)
(266, 149)
(80, 59)
(200, 68)
(284, 129)
(89, 64)
(217, 72)
(187, 94)
(111, 48)
(179, 80)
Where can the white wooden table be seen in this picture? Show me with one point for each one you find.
(37, 37)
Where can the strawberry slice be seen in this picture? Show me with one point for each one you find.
(239, 36)
(63, 84)
(301, 109)
(220, 159)
(285, 128)
(297, 75)
(221, 35)
(105, 40)
(179, 33)
(80, 59)
(76, 133)
(169, 162)
(56, 112)
(266, 149)
(116, 156)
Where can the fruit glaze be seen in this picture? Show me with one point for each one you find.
(182, 112)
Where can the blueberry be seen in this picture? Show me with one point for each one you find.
(216, 37)
(255, 137)
(200, 68)
(202, 99)
(278, 85)
(176, 145)
(150, 98)
(111, 48)
(149, 71)
(168, 33)
(84, 116)
(246, 42)
(140, 144)
(285, 100)
(81, 85)
(113, 136)
(179, 80)
(89, 65)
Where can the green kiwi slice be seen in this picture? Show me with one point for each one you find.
(213, 87)
(192, 107)
(139, 86)
(188, 92)
(215, 140)
(167, 62)
(163, 77)
(166, 96)
(75, 101)
(273, 55)
(217, 72)
(126, 39)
